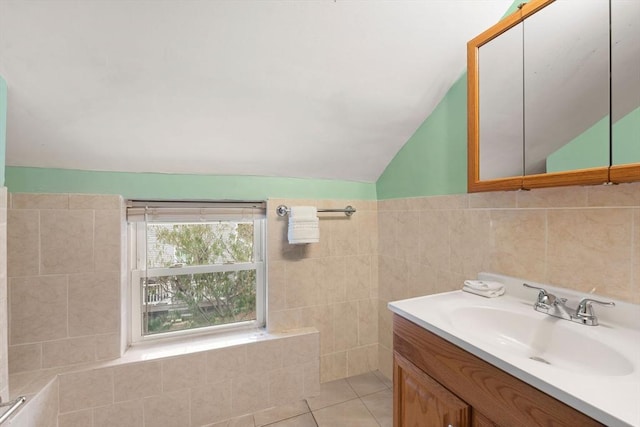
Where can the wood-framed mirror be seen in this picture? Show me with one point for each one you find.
(625, 91)
(540, 101)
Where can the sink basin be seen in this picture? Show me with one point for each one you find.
(594, 369)
(542, 339)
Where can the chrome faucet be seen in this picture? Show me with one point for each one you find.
(549, 304)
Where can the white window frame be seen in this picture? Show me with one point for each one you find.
(137, 261)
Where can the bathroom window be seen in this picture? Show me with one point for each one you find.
(196, 267)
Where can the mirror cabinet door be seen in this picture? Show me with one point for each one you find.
(625, 84)
(501, 106)
(554, 96)
(566, 87)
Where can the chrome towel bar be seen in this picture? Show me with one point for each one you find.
(13, 406)
(282, 210)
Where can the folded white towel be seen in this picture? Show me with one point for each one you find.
(483, 285)
(303, 236)
(295, 233)
(303, 241)
(304, 226)
(303, 221)
(303, 212)
(485, 293)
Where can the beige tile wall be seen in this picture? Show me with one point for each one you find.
(323, 285)
(4, 320)
(579, 237)
(575, 237)
(64, 269)
(330, 285)
(53, 328)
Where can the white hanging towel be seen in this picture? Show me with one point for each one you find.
(303, 212)
(304, 226)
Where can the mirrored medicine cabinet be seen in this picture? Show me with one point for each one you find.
(554, 96)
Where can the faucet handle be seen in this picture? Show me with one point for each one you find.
(584, 307)
(544, 297)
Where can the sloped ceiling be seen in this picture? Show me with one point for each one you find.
(310, 89)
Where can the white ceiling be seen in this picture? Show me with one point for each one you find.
(310, 89)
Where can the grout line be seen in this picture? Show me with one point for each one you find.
(144, 421)
(190, 394)
(350, 386)
(314, 418)
(369, 411)
(545, 273)
(307, 405)
(39, 243)
(67, 307)
(283, 419)
(634, 228)
(335, 404)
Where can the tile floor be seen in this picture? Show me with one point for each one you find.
(360, 401)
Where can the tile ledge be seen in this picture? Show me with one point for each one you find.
(182, 346)
(193, 344)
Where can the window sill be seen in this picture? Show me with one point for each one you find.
(178, 346)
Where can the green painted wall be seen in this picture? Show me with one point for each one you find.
(178, 186)
(626, 139)
(434, 159)
(589, 150)
(3, 126)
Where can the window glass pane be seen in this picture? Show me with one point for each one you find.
(188, 244)
(187, 301)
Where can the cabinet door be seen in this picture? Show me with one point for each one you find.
(419, 401)
(479, 420)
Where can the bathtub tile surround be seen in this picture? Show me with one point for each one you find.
(64, 268)
(330, 285)
(575, 237)
(149, 388)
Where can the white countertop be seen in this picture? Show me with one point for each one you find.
(609, 394)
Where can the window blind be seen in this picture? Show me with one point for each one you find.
(193, 211)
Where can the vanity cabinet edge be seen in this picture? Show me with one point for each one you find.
(500, 398)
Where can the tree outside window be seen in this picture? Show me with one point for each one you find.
(214, 282)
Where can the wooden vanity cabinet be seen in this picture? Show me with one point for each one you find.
(437, 384)
(424, 401)
(479, 420)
